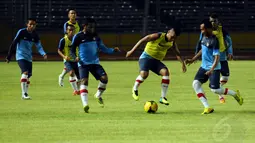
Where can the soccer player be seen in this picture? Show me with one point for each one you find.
(72, 21)
(22, 45)
(225, 42)
(64, 50)
(210, 68)
(89, 44)
(150, 60)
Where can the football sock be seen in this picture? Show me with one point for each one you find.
(28, 83)
(138, 81)
(223, 80)
(64, 72)
(23, 82)
(84, 94)
(73, 83)
(101, 89)
(224, 91)
(200, 93)
(164, 85)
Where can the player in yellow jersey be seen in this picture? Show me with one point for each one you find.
(154, 52)
(64, 50)
(72, 21)
(225, 44)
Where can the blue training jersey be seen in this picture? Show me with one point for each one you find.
(210, 48)
(23, 43)
(228, 41)
(88, 46)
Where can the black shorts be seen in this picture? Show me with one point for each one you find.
(224, 68)
(214, 78)
(95, 69)
(25, 66)
(154, 65)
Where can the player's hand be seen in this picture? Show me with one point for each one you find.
(230, 57)
(129, 53)
(116, 49)
(67, 58)
(188, 61)
(209, 72)
(184, 68)
(7, 60)
(77, 59)
(45, 57)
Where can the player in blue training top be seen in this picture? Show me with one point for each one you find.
(89, 45)
(22, 44)
(210, 68)
(72, 21)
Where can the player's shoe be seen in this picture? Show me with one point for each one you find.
(26, 97)
(135, 95)
(60, 81)
(163, 101)
(208, 110)
(238, 98)
(76, 93)
(222, 100)
(86, 109)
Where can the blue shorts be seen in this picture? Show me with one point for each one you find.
(72, 66)
(214, 78)
(224, 68)
(154, 65)
(95, 69)
(25, 66)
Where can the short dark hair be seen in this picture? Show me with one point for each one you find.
(87, 21)
(207, 23)
(32, 19)
(71, 10)
(214, 15)
(70, 26)
(177, 31)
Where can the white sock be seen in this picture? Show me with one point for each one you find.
(224, 91)
(223, 80)
(200, 93)
(64, 72)
(101, 89)
(138, 81)
(28, 83)
(23, 82)
(84, 94)
(164, 85)
(73, 83)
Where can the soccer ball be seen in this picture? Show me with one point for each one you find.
(150, 107)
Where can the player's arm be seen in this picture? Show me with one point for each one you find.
(228, 41)
(178, 56)
(198, 46)
(65, 27)
(190, 61)
(105, 49)
(216, 54)
(148, 38)
(61, 47)
(39, 47)
(75, 43)
(13, 45)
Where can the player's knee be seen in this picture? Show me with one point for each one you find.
(71, 73)
(144, 74)
(164, 72)
(217, 91)
(104, 79)
(224, 79)
(196, 83)
(26, 73)
(84, 81)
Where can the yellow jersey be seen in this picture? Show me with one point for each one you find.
(65, 47)
(219, 34)
(76, 26)
(158, 48)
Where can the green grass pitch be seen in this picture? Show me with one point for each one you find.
(55, 116)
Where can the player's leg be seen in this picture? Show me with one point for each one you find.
(76, 71)
(160, 69)
(70, 67)
(61, 77)
(99, 73)
(224, 78)
(84, 75)
(199, 79)
(144, 65)
(29, 76)
(216, 88)
(24, 66)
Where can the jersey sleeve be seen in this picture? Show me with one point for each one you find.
(229, 44)
(40, 48)
(13, 45)
(75, 44)
(103, 48)
(61, 44)
(198, 46)
(65, 27)
(216, 47)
